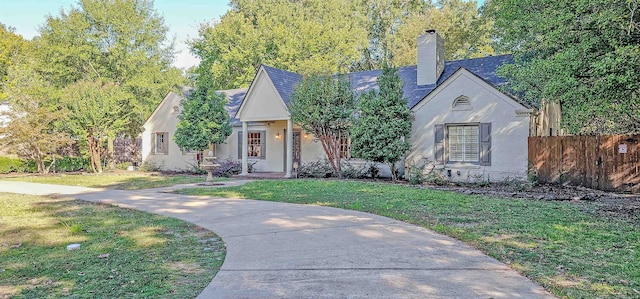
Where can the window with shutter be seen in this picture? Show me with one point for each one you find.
(463, 143)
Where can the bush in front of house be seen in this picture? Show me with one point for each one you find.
(315, 169)
(356, 171)
(70, 164)
(8, 165)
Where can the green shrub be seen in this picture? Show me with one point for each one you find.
(351, 171)
(418, 176)
(70, 164)
(148, 166)
(8, 165)
(123, 165)
(227, 168)
(315, 169)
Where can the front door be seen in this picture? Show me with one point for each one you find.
(296, 149)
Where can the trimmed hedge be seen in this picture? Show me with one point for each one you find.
(8, 165)
(64, 164)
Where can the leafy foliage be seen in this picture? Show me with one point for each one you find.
(466, 32)
(118, 41)
(323, 105)
(382, 126)
(335, 36)
(8, 165)
(35, 115)
(97, 111)
(584, 54)
(11, 47)
(203, 120)
(300, 36)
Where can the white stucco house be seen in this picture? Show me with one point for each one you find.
(464, 126)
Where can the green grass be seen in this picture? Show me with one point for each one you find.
(563, 246)
(124, 253)
(122, 181)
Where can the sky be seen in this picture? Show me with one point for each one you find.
(183, 17)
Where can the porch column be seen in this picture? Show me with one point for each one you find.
(245, 149)
(289, 148)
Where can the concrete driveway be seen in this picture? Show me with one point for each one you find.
(279, 250)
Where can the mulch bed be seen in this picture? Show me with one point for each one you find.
(602, 203)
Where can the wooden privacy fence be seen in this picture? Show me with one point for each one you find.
(600, 162)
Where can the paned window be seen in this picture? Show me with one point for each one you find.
(464, 144)
(255, 144)
(161, 145)
(345, 147)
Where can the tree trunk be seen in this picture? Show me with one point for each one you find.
(394, 171)
(94, 153)
(110, 153)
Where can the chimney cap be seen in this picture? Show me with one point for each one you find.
(431, 31)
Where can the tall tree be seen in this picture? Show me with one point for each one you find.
(334, 36)
(300, 36)
(11, 47)
(382, 126)
(584, 54)
(383, 20)
(33, 130)
(323, 105)
(467, 33)
(122, 41)
(203, 120)
(98, 110)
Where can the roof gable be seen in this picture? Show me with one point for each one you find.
(471, 78)
(263, 101)
(234, 99)
(283, 81)
(169, 100)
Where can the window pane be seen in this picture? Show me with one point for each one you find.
(161, 143)
(255, 147)
(345, 149)
(456, 141)
(463, 143)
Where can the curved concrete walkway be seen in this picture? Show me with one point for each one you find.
(279, 250)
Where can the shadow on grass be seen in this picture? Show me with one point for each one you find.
(123, 253)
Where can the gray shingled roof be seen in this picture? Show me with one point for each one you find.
(234, 98)
(485, 68)
(284, 81)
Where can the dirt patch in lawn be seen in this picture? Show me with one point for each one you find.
(602, 203)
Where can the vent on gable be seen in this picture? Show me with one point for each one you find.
(461, 103)
(176, 109)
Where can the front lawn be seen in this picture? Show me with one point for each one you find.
(122, 181)
(124, 253)
(564, 246)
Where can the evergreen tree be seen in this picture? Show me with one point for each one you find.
(383, 122)
(204, 121)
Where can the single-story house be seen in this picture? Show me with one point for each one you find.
(464, 126)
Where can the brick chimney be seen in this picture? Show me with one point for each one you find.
(430, 57)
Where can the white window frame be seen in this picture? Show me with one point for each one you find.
(463, 143)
